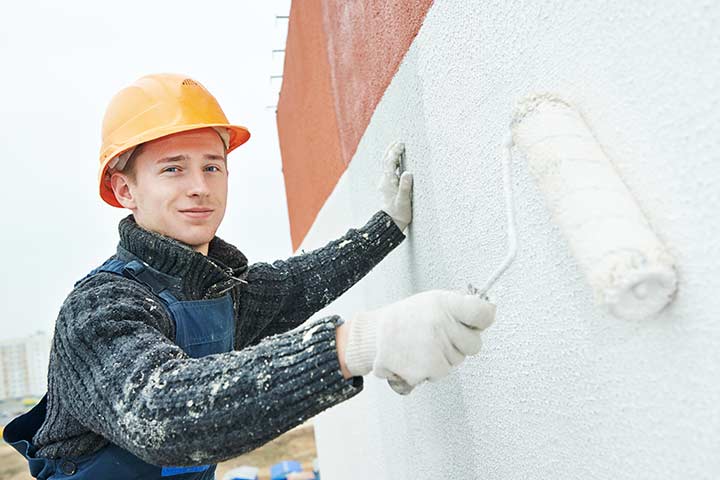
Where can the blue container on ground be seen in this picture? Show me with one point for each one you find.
(280, 470)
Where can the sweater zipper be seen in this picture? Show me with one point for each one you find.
(228, 271)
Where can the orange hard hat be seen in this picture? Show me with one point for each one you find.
(152, 107)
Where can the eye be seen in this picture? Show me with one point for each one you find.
(217, 169)
(170, 169)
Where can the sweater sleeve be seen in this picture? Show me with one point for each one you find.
(284, 294)
(122, 378)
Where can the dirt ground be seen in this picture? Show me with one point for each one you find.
(297, 444)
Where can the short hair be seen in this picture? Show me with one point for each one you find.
(129, 167)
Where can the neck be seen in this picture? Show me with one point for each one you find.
(201, 248)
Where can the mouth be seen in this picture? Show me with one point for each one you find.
(197, 212)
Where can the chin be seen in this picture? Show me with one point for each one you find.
(196, 238)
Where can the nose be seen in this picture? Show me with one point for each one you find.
(198, 185)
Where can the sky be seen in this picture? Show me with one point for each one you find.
(61, 62)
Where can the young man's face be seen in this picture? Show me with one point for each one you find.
(179, 188)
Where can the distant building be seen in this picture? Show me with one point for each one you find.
(23, 366)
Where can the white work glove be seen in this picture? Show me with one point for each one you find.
(419, 338)
(396, 190)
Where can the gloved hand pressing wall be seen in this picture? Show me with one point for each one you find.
(396, 190)
(419, 338)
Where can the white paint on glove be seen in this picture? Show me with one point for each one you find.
(419, 338)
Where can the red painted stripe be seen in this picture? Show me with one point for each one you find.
(367, 40)
(340, 57)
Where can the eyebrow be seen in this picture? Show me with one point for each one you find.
(183, 158)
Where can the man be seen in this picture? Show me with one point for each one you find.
(176, 354)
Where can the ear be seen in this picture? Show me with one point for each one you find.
(122, 189)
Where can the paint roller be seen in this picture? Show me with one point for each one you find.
(629, 269)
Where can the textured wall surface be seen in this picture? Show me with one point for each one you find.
(366, 42)
(561, 389)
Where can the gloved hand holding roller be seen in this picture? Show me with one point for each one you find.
(419, 338)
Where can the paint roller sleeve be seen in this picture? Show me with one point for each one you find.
(629, 269)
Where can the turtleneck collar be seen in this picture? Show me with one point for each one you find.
(200, 276)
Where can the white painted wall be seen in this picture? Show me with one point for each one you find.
(561, 389)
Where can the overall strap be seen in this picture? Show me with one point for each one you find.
(154, 280)
(111, 265)
(130, 266)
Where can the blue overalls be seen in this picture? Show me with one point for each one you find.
(202, 327)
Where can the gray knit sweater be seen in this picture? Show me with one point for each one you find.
(116, 375)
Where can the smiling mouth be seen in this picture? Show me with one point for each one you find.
(197, 213)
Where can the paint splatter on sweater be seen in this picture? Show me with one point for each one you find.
(116, 375)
